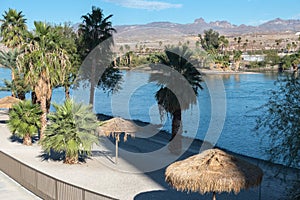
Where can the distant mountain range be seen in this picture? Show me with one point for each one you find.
(223, 27)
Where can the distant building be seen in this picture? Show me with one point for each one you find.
(253, 58)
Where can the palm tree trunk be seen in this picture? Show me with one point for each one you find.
(92, 94)
(237, 65)
(93, 83)
(71, 159)
(67, 92)
(43, 93)
(33, 97)
(43, 116)
(175, 141)
(13, 94)
(27, 139)
(22, 95)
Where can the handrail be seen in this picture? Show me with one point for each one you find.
(44, 185)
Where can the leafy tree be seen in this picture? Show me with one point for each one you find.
(24, 120)
(96, 29)
(210, 41)
(215, 45)
(13, 28)
(280, 122)
(272, 58)
(289, 60)
(173, 97)
(71, 131)
(237, 57)
(223, 43)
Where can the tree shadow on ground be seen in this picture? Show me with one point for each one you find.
(60, 156)
(14, 138)
(52, 155)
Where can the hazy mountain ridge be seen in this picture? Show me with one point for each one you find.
(224, 27)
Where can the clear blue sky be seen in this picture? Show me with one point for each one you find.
(249, 12)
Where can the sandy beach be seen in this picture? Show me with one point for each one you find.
(136, 176)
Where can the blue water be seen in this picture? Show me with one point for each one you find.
(243, 94)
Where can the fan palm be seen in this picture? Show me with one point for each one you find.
(71, 131)
(96, 29)
(24, 120)
(13, 28)
(174, 95)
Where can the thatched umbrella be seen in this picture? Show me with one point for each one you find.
(115, 127)
(214, 171)
(8, 102)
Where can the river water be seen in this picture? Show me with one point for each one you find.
(229, 101)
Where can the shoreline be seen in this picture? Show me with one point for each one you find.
(166, 135)
(204, 71)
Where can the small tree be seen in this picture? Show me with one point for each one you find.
(280, 122)
(71, 131)
(24, 120)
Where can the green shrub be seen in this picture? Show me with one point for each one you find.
(24, 120)
(71, 131)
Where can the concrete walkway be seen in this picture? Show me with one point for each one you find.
(9, 189)
(139, 173)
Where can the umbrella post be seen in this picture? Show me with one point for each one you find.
(214, 196)
(117, 142)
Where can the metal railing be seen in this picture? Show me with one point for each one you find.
(43, 185)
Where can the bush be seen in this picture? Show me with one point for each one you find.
(71, 131)
(24, 120)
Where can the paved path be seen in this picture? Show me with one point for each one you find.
(134, 177)
(11, 190)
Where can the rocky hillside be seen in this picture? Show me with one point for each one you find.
(224, 27)
(153, 34)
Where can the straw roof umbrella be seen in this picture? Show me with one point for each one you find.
(115, 127)
(8, 102)
(214, 171)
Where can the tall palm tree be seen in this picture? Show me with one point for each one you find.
(13, 28)
(44, 65)
(173, 96)
(71, 131)
(95, 29)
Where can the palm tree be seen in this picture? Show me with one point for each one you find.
(173, 97)
(16, 86)
(65, 38)
(71, 131)
(24, 120)
(13, 31)
(95, 29)
(44, 65)
(223, 43)
(13, 28)
(237, 57)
